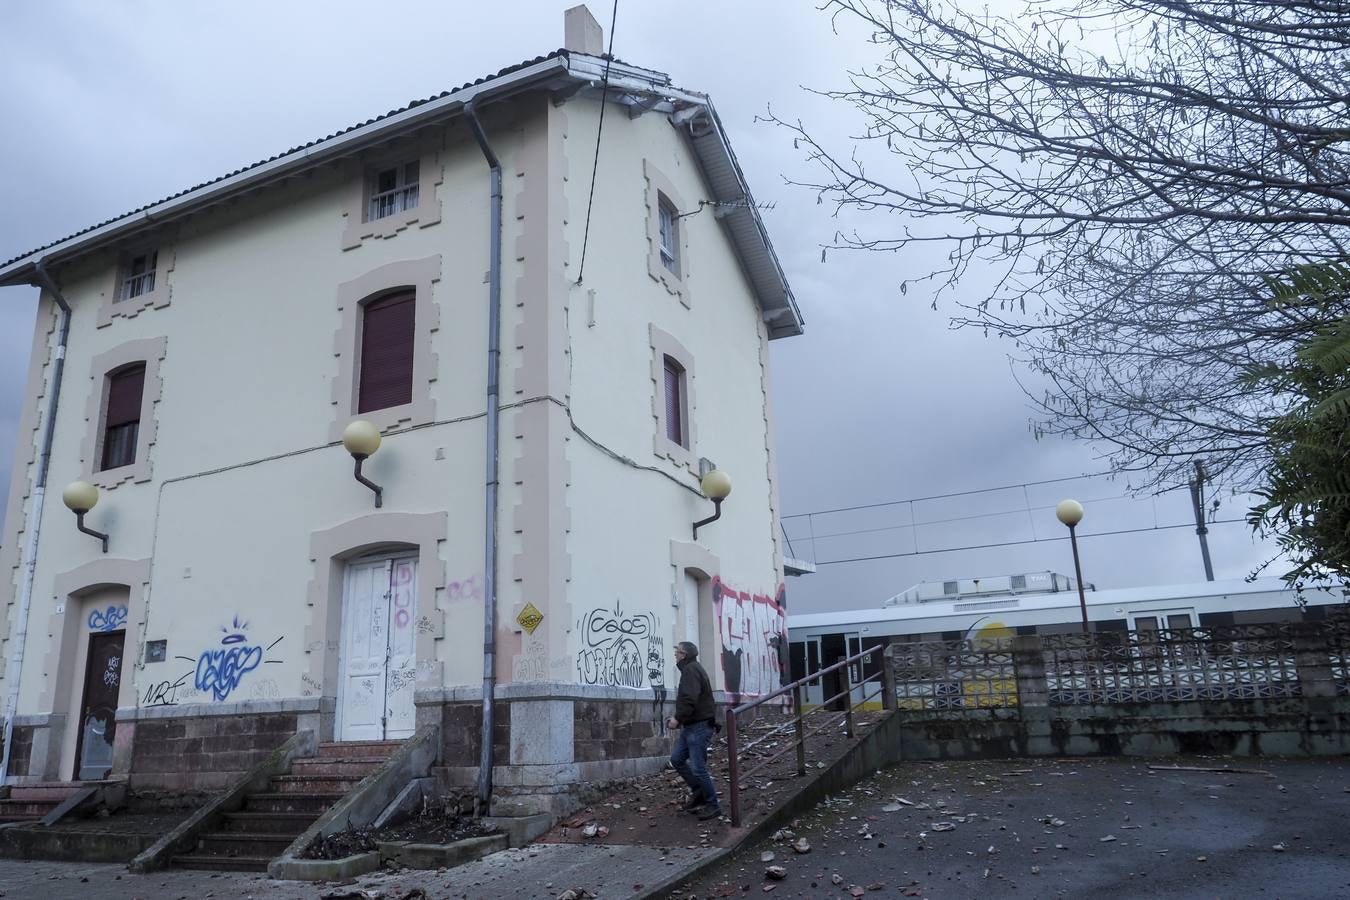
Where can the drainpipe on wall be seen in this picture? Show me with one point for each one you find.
(490, 514)
(25, 598)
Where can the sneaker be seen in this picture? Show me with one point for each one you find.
(693, 803)
(713, 811)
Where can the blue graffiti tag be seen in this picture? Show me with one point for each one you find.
(110, 619)
(219, 671)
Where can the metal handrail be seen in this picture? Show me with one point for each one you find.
(794, 688)
(829, 722)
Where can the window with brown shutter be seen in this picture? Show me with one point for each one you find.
(122, 416)
(386, 352)
(675, 430)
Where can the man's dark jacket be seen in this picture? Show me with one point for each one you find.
(694, 700)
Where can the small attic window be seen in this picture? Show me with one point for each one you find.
(394, 190)
(138, 277)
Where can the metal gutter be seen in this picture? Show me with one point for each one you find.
(19, 638)
(490, 487)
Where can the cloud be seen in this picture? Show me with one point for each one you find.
(112, 106)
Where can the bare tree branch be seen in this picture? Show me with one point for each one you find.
(1138, 171)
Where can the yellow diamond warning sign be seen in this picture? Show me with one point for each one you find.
(529, 618)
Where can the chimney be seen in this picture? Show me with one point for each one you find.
(581, 33)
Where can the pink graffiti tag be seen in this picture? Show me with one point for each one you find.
(751, 630)
(403, 594)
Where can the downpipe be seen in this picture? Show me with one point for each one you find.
(490, 513)
(19, 639)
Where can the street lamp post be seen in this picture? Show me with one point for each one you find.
(1070, 512)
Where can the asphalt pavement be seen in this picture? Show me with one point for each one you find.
(1099, 828)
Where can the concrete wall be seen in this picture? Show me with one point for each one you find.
(1274, 689)
(1293, 727)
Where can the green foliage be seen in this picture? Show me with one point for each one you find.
(1306, 491)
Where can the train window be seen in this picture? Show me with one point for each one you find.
(1162, 620)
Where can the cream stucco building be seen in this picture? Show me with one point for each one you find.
(198, 361)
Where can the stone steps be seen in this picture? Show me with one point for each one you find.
(346, 766)
(347, 749)
(312, 784)
(23, 811)
(44, 793)
(222, 863)
(245, 844)
(269, 821)
(276, 802)
(29, 802)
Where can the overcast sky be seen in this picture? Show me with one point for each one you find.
(108, 106)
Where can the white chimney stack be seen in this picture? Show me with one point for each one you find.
(581, 33)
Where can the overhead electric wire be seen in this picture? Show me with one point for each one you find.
(948, 521)
(599, 130)
(831, 562)
(1006, 487)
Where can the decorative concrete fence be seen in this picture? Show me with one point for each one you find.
(1239, 689)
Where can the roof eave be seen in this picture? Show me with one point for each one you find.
(20, 271)
(707, 137)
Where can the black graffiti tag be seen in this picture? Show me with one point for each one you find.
(610, 652)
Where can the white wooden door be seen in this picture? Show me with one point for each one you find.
(378, 666)
(401, 674)
(691, 633)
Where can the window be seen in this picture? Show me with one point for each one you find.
(137, 280)
(388, 325)
(1019, 582)
(950, 587)
(386, 365)
(667, 238)
(122, 416)
(394, 190)
(669, 223)
(139, 277)
(674, 384)
(674, 390)
(122, 392)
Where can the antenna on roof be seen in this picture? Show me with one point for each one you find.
(723, 208)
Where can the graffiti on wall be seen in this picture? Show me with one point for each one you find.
(110, 619)
(614, 647)
(165, 693)
(217, 671)
(752, 631)
(656, 676)
(470, 588)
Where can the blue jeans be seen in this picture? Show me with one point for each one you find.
(690, 759)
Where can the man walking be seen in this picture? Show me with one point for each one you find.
(694, 717)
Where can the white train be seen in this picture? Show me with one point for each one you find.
(997, 607)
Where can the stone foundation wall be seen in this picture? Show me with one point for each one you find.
(554, 743)
(615, 729)
(462, 733)
(203, 753)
